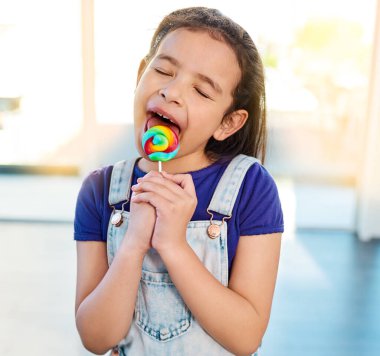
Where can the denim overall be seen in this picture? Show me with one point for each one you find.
(162, 324)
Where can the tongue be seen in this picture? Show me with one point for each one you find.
(154, 121)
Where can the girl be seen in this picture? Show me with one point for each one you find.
(168, 280)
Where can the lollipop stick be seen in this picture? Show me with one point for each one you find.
(160, 166)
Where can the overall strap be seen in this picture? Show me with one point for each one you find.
(121, 179)
(227, 190)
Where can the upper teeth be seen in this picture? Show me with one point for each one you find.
(164, 117)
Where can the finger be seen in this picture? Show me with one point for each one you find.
(149, 197)
(151, 174)
(152, 190)
(168, 190)
(160, 181)
(184, 180)
(134, 192)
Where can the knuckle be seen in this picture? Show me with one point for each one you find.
(155, 174)
(148, 175)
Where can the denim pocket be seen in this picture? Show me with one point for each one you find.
(160, 310)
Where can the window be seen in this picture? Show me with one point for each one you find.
(40, 81)
(317, 57)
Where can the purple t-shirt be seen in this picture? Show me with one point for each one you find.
(257, 208)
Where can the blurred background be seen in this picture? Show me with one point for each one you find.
(67, 76)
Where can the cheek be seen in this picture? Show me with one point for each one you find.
(200, 131)
(207, 119)
(138, 144)
(142, 86)
(139, 103)
(138, 95)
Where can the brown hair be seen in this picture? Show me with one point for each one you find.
(250, 91)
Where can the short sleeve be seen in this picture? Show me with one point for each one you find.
(260, 209)
(89, 208)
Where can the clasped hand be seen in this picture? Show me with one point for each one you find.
(174, 199)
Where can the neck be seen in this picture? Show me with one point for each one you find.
(183, 164)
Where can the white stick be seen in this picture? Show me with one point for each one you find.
(160, 166)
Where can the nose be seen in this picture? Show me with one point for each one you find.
(172, 93)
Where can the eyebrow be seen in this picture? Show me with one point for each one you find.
(202, 77)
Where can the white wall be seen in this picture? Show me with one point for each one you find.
(369, 189)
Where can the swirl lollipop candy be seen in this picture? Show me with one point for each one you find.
(160, 143)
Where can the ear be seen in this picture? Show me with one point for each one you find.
(142, 67)
(230, 124)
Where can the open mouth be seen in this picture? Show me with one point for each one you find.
(156, 118)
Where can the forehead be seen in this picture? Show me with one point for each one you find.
(198, 52)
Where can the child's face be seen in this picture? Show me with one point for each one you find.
(190, 80)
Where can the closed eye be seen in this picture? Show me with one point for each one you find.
(162, 72)
(200, 92)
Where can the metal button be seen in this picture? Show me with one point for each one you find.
(213, 231)
(117, 219)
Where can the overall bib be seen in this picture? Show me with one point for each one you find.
(162, 324)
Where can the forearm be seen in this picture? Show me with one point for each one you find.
(228, 317)
(104, 316)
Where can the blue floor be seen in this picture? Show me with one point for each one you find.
(327, 300)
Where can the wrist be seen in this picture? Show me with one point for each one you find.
(131, 247)
(168, 251)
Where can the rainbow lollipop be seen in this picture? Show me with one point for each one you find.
(160, 143)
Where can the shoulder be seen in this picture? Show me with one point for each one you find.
(258, 203)
(90, 205)
(97, 177)
(96, 184)
(257, 178)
